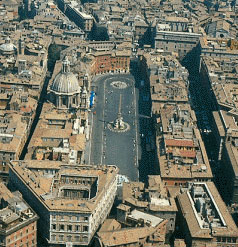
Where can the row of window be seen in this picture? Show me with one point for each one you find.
(226, 240)
(76, 181)
(17, 235)
(70, 218)
(69, 238)
(69, 228)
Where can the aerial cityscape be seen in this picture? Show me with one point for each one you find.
(118, 123)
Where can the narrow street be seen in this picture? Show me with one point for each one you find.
(146, 126)
(36, 119)
(200, 104)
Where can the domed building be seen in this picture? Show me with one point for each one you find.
(7, 49)
(65, 89)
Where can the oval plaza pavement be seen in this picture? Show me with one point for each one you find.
(109, 146)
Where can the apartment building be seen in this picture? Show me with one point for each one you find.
(218, 47)
(111, 62)
(204, 218)
(167, 78)
(181, 152)
(83, 20)
(177, 42)
(18, 222)
(154, 199)
(72, 201)
(13, 135)
(112, 234)
(220, 79)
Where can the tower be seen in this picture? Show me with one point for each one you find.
(21, 47)
(21, 66)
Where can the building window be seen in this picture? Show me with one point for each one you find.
(61, 227)
(53, 237)
(86, 218)
(69, 238)
(85, 239)
(76, 238)
(69, 227)
(61, 237)
(85, 228)
(77, 228)
(53, 226)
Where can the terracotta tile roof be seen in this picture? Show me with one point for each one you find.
(110, 225)
(179, 143)
(188, 153)
(124, 236)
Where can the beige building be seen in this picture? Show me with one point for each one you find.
(154, 199)
(181, 152)
(82, 19)
(178, 42)
(72, 201)
(13, 135)
(167, 78)
(204, 218)
(62, 130)
(17, 220)
(152, 233)
(59, 136)
(218, 47)
(219, 77)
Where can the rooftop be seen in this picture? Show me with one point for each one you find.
(69, 188)
(14, 211)
(181, 151)
(205, 212)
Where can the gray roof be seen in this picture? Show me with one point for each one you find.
(65, 82)
(7, 47)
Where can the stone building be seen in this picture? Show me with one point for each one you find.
(65, 91)
(83, 20)
(151, 232)
(230, 165)
(13, 135)
(179, 42)
(7, 49)
(204, 218)
(154, 199)
(71, 200)
(17, 220)
(111, 62)
(181, 152)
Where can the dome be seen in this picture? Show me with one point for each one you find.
(7, 46)
(65, 82)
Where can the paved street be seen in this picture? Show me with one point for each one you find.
(109, 147)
